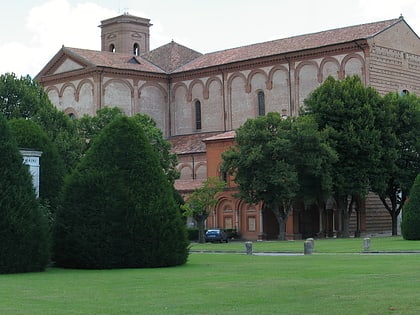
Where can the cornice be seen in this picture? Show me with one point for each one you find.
(285, 58)
(103, 71)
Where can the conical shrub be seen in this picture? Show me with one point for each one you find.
(24, 240)
(410, 225)
(118, 209)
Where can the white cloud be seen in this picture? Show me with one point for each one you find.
(203, 27)
(53, 24)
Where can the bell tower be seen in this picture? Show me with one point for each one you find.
(126, 34)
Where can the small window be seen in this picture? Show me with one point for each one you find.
(404, 92)
(72, 116)
(112, 48)
(197, 115)
(136, 49)
(261, 103)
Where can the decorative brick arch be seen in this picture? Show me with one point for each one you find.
(298, 81)
(324, 62)
(234, 76)
(252, 74)
(224, 215)
(80, 85)
(70, 111)
(52, 88)
(65, 86)
(187, 166)
(207, 86)
(271, 75)
(156, 85)
(124, 82)
(176, 87)
(362, 63)
(191, 86)
(307, 63)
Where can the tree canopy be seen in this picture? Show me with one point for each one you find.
(25, 98)
(404, 165)
(276, 161)
(201, 201)
(349, 110)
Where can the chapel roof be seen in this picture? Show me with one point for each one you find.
(171, 56)
(92, 58)
(113, 60)
(290, 44)
(176, 58)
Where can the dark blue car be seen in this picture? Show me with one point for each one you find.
(216, 235)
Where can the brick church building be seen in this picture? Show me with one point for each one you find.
(198, 100)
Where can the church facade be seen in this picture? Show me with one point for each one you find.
(198, 100)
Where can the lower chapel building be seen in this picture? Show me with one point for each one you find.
(198, 100)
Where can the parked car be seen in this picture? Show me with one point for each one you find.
(216, 235)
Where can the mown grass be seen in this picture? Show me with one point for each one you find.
(330, 283)
(331, 245)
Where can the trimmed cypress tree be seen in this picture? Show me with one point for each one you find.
(118, 209)
(410, 225)
(24, 241)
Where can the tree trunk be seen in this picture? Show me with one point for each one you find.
(201, 236)
(394, 218)
(282, 228)
(394, 209)
(281, 216)
(342, 202)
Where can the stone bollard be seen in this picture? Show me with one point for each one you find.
(312, 241)
(366, 244)
(308, 247)
(248, 246)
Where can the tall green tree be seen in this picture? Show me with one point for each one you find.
(347, 109)
(278, 161)
(118, 209)
(201, 201)
(24, 239)
(20, 97)
(25, 98)
(404, 165)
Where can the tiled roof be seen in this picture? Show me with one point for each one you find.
(175, 58)
(171, 56)
(222, 136)
(192, 143)
(112, 60)
(187, 185)
(291, 44)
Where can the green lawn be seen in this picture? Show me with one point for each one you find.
(323, 283)
(331, 245)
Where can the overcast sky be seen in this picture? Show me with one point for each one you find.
(33, 31)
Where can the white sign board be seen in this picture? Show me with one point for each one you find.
(31, 158)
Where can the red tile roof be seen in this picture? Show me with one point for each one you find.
(171, 56)
(222, 136)
(112, 60)
(188, 185)
(192, 143)
(175, 58)
(291, 44)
